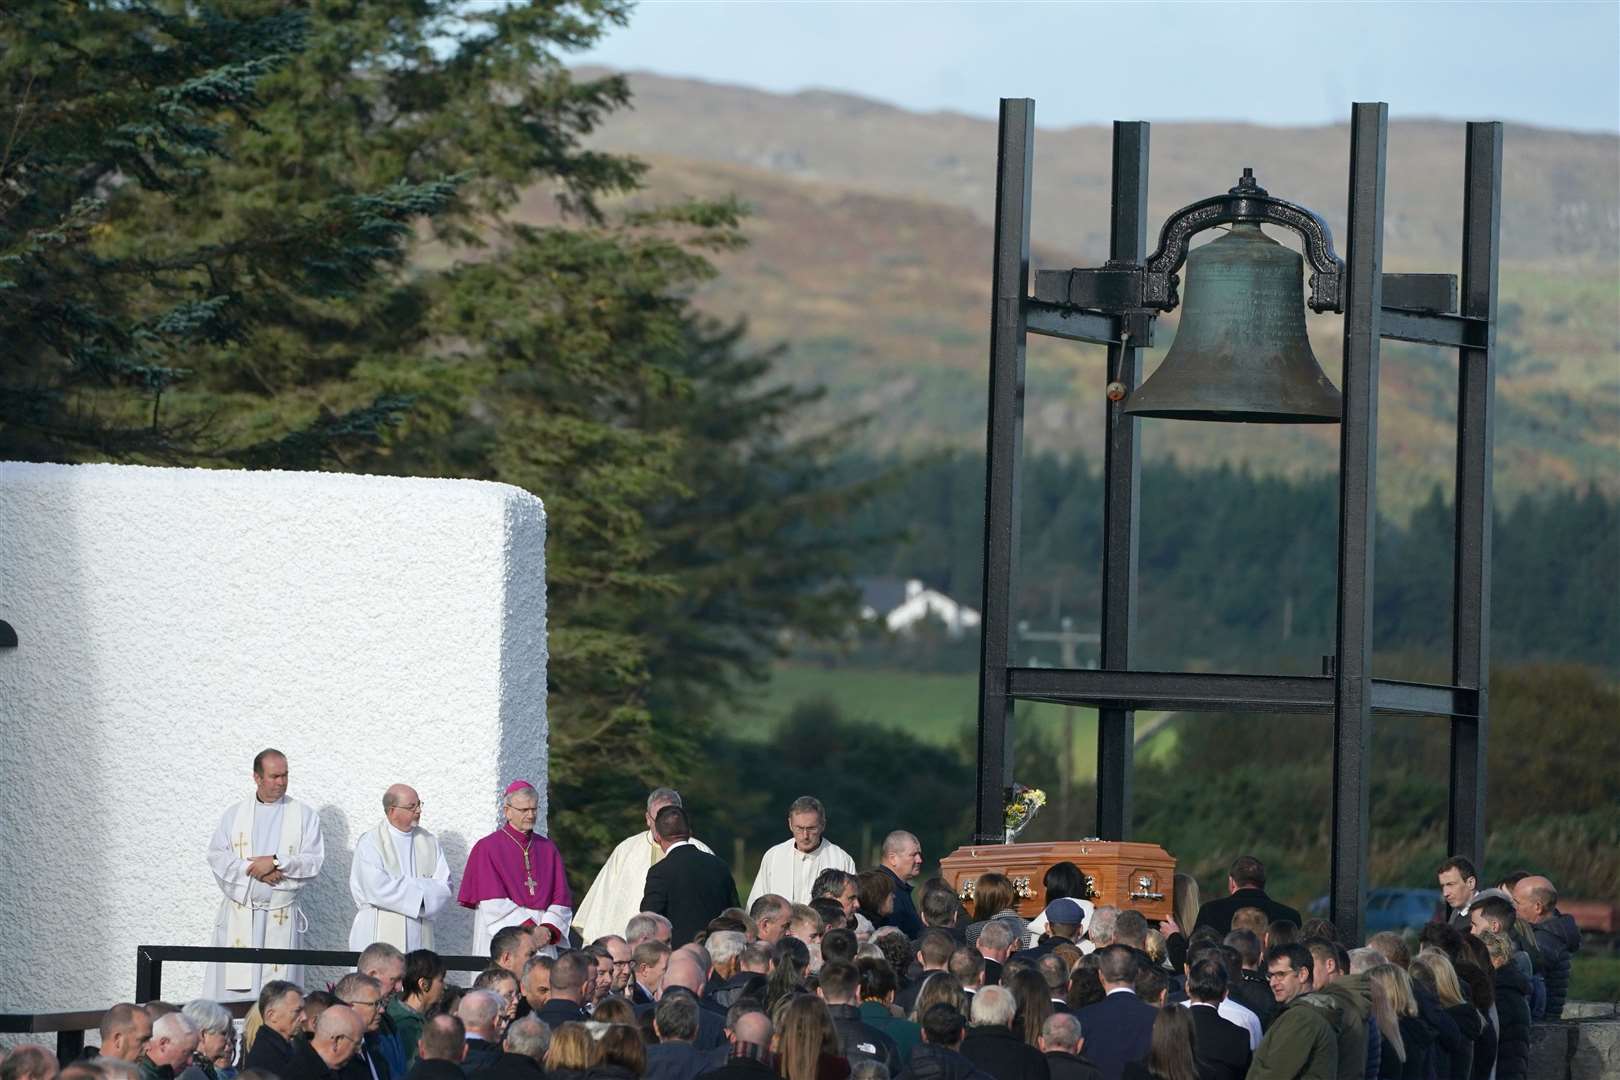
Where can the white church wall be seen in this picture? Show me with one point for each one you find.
(173, 622)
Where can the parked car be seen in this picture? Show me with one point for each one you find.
(1390, 908)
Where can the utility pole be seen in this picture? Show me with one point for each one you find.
(1068, 641)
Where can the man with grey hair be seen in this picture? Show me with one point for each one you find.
(1061, 1040)
(527, 1041)
(647, 926)
(748, 1030)
(364, 995)
(771, 914)
(173, 1039)
(790, 868)
(480, 1012)
(1100, 930)
(612, 899)
(998, 938)
(399, 878)
(991, 1043)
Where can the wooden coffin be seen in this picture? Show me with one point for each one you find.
(1129, 876)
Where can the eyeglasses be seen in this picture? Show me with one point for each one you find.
(623, 963)
(411, 807)
(364, 1004)
(523, 809)
(1273, 976)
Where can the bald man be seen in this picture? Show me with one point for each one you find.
(337, 1035)
(1557, 937)
(399, 879)
(686, 975)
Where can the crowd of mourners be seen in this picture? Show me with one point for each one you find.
(838, 989)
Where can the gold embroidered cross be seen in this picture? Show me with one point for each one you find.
(241, 845)
(280, 915)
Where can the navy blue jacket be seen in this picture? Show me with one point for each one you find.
(1118, 1029)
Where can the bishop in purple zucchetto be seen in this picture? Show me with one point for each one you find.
(515, 876)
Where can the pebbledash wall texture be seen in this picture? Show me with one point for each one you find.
(173, 622)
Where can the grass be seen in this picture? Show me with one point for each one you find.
(938, 709)
(1595, 976)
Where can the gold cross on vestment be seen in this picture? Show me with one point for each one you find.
(241, 845)
(280, 915)
(529, 883)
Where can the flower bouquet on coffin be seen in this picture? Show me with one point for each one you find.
(1020, 807)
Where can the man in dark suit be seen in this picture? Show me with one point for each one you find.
(569, 974)
(442, 1048)
(1246, 882)
(1220, 1046)
(481, 1012)
(1119, 1028)
(1061, 1041)
(688, 886)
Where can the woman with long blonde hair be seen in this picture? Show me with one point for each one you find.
(1184, 907)
(573, 1052)
(1407, 1053)
(1433, 968)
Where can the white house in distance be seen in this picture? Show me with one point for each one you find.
(903, 604)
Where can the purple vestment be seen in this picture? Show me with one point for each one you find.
(495, 871)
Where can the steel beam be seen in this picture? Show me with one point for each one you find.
(1069, 323)
(1177, 691)
(1004, 453)
(1427, 328)
(1116, 734)
(1471, 585)
(1358, 508)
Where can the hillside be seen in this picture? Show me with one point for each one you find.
(871, 250)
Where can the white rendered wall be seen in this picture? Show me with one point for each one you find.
(173, 622)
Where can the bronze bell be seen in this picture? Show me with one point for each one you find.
(1241, 353)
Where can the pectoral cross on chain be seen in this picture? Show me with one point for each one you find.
(280, 915)
(529, 882)
(241, 845)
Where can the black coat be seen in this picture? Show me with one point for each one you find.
(675, 1060)
(742, 1068)
(856, 1035)
(904, 916)
(514, 1067)
(481, 1054)
(428, 1069)
(689, 887)
(1254, 992)
(1558, 938)
(1513, 1014)
(1004, 1055)
(1447, 1039)
(1072, 1066)
(557, 1011)
(1458, 1061)
(271, 1052)
(1218, 913)
(1119, 1028)
(1220, 1046)
(931, 1062)
(711, 1025)
(305, 1063)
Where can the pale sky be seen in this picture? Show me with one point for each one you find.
(1553, 64)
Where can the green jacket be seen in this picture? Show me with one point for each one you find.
(905, 1033)
(1302, 1043)
(408, 1023)
(1351, 996)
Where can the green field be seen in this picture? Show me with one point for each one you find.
(1595, 976)
(936, 709)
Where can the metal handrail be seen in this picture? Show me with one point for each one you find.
(70, 1027)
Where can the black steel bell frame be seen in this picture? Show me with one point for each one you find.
(1115, 306)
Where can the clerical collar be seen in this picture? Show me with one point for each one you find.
(515, 833)
(397, 832)
(811, 853)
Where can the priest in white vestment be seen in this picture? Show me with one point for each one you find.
(399, 878)
(265, 850)
(790, 868)
(614, 898)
